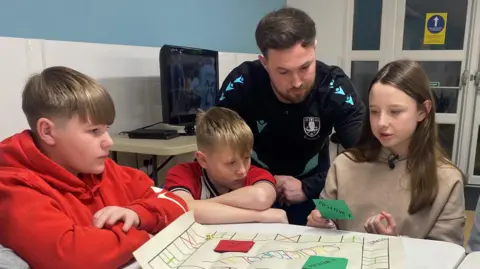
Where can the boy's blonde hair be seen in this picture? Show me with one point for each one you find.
(219, 127)
(59, 93)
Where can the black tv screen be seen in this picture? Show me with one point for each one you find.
(189, 79)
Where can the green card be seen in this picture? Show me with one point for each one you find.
(319, 262)
(333, 209)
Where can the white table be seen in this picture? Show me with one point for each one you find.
(425, 254)
(420, 254)
(154, 147)
(472, 261)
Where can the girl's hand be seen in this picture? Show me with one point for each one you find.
(374, 224)
(315, 219)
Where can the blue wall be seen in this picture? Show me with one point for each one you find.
(224, 25)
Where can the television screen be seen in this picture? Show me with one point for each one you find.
(193, 83)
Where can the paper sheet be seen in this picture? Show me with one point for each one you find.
(188, 245)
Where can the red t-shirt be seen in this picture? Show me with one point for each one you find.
(192, 178)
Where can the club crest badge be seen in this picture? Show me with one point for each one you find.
(311, 126)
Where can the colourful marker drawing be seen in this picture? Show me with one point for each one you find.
(209, 236)
(193, 247)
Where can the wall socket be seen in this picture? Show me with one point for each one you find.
(147, 169)
(147, 166)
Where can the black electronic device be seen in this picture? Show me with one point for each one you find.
(189, 83)
(152, 134)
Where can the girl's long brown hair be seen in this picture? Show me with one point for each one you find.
(424, 152)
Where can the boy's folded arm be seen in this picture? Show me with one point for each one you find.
(209, 212)
(259, 196)
(35, 227)
(156, 208)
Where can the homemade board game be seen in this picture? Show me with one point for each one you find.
(188, 245)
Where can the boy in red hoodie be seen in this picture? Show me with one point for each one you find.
(64, 203)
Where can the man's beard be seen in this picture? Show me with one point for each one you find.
(292, 98)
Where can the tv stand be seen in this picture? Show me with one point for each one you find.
(189, 129)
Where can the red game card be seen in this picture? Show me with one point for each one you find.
(234, 246)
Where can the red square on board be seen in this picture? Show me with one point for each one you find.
(234, 246)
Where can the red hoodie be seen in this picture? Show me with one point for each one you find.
(46, 213)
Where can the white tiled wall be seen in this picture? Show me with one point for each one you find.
(330, 19)
(130, 73)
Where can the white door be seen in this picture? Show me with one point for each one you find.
(472, 138)
(435, 33)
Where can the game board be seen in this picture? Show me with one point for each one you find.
(188, 245)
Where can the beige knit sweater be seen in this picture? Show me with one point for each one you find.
(369, 188)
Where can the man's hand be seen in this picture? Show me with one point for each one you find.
(290, 190)
(273, 215)
(110, 215)
(374, 224)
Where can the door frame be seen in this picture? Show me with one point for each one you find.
(445, 55)
(472, 99)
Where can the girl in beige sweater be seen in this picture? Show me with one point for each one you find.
(398, 180)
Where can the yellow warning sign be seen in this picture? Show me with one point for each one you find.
(435, 29)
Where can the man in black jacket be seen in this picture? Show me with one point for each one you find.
(292, 102)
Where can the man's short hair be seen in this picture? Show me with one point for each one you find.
(220, 127)
(283, 28)
(59, 93)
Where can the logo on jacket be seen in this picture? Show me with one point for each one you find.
(231, 86)
(311, 126)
